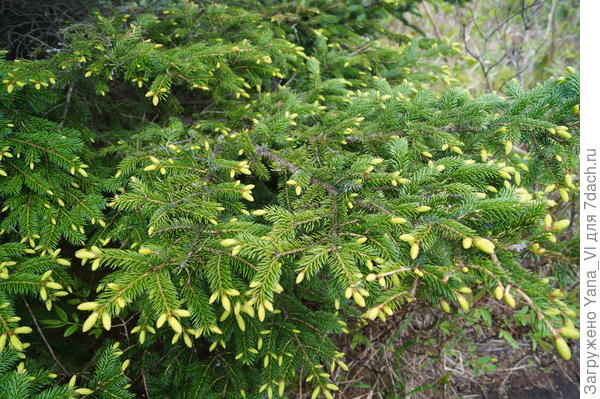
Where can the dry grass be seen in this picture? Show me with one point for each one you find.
(409, 356)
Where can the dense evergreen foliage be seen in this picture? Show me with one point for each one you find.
(222, 188)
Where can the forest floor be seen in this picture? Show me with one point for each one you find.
(411, 357)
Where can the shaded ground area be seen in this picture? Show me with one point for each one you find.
(415, 355)
(554, 386)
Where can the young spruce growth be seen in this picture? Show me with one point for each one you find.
(223, 187)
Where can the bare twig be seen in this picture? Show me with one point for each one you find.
(145, 386)
(39, 330)
(67, 105)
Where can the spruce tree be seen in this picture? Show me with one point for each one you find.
(222, 187)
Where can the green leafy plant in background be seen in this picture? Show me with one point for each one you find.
(223, 187)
